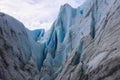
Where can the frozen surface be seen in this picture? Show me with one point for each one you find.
(94, 63)
(79, 40)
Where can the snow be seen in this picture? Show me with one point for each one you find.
(92, 64)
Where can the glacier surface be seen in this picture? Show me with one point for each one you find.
(82, 43)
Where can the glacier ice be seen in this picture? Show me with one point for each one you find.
(69, 29)
(96, 61)
(72, 39)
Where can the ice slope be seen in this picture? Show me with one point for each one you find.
(16, 52)
(99, 59)
(38, 48)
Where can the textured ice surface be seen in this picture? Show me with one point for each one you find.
(96, 60)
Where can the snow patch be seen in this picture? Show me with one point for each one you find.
(96, 61)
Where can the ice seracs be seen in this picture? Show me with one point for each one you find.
(81, 44)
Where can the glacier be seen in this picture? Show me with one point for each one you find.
(82, 44)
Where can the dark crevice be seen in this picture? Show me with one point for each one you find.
(1, 31)
(13, 33)
(93, 22)
(3, 58)
(77, 56)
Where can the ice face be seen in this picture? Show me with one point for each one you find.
(14, 30)
(36, 34)
(68, 30)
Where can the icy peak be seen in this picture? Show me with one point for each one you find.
(65, 7)
(2, 14)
